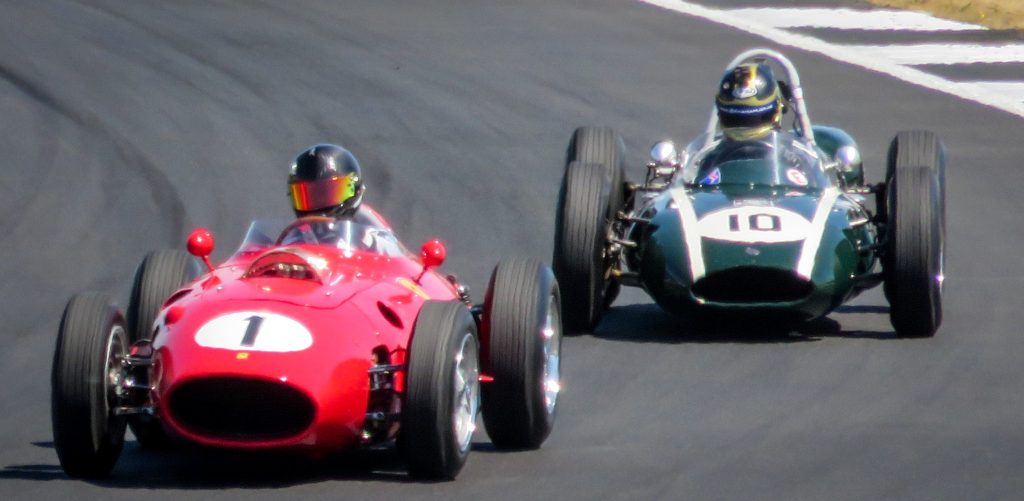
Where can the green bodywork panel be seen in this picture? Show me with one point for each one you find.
(747, 274)
(830, 139)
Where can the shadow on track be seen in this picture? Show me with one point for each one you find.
(648, 323)
(193, 467)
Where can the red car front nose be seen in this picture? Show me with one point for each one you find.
(255, 397)
(244, 409)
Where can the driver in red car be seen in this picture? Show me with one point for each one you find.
(326, 189)
(326, 180)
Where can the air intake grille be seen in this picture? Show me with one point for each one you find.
(751, 284)
(235, 408)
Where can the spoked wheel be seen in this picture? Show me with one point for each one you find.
(442, 391)
(159, 275)
(523, 318)
(914, 258)
(580, 241)
(89, 366)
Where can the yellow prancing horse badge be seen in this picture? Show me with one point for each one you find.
(409, 284)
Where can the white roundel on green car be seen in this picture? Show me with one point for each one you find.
(754, 224)
(254, 331)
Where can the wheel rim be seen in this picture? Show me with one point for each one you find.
(551, 334)
(114, 368)
(466, 391)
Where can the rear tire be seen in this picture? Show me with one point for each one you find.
(914, 253)
(91, 343)
(522, 315)
(159, 275)
(580, 228)
(601, 145)
(919, 147)
(442, 391)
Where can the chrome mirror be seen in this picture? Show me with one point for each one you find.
(847, 158)
(664, 154)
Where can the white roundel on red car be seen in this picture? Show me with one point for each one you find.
(254, 331)
(754, 224)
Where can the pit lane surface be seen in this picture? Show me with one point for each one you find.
(127, 123)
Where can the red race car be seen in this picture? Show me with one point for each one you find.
(318, 335)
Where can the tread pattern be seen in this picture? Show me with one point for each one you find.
(916, 308)
(919, 147)
(426, 416)
(515, 310)
(916, 211)
(88, 443)
(601, 145)
(159, 275)
(578, 259)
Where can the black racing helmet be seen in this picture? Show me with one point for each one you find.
(325, 180)
(749, 103)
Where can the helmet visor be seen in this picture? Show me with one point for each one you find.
(322, 193)
(747, 116)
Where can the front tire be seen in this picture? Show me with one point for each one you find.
(442, 391)
(92, 344)
(914, 253)
(522, 315)
(580, 234)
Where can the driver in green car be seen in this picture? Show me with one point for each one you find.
(754, 149)
(749, 102)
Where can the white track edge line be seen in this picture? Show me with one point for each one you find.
(839, 53)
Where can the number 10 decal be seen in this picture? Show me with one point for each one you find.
(757, 222)
(254, 331)
(754, 224)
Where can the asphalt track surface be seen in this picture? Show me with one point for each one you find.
(128, 123)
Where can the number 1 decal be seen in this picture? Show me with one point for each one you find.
(252, 330)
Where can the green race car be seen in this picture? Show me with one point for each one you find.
(771, 227)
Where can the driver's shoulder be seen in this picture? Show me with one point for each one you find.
(370, 217)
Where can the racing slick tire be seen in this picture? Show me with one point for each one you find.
(580, 227)
(602, 145)
(913, 262)
(159, 275)
(919, 147)
(92, 343)
(522, 325)
(442, 397)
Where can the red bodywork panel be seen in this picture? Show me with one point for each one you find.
(287, 359)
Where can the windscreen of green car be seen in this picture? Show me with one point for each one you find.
(777, 159)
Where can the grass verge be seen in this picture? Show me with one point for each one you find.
(996, 14)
